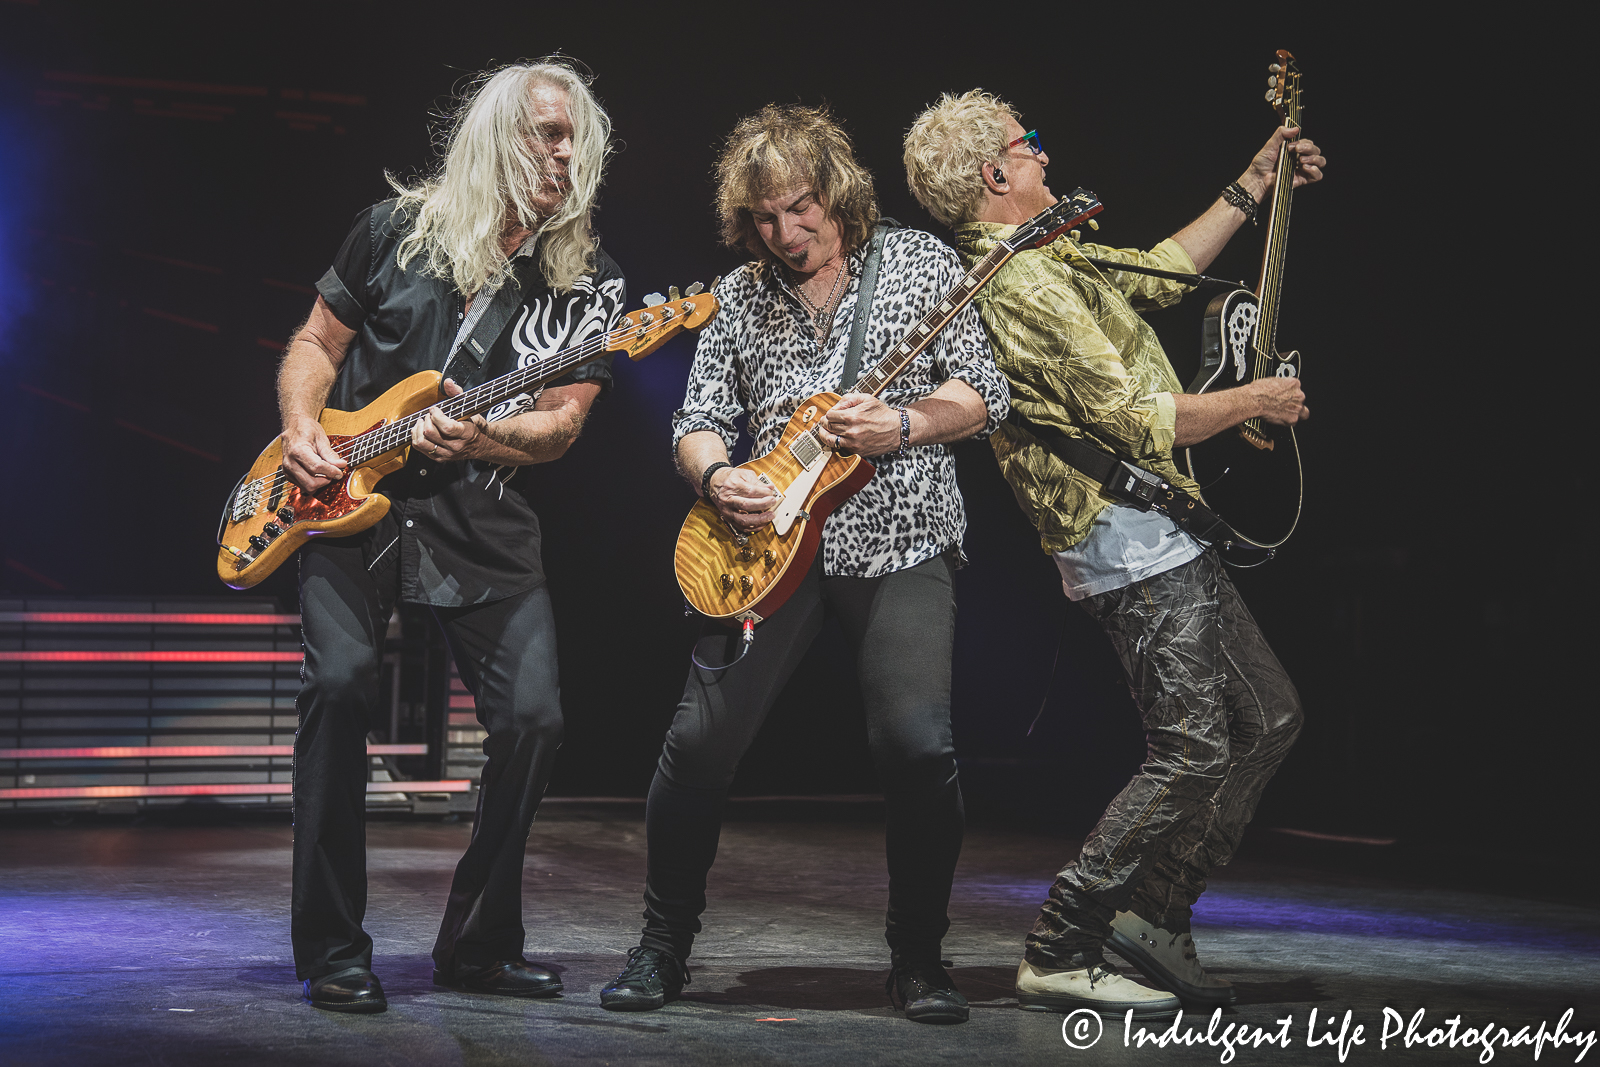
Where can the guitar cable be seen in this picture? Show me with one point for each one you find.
(747, 640)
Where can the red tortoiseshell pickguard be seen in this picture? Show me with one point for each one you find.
(332, 501)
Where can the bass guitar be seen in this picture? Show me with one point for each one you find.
(1251, 476)
(737, 577)
(268, 517)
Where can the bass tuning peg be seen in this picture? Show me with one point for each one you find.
(652, 299)
(673, 294)
(695, 289)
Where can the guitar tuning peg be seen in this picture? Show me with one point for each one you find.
(715, 280)
(1076, 235)
(673, 294)
(1094, 224)
(1272, 82)
(1272, 94)
(695, 289)
(1275, 67)
(652, 299)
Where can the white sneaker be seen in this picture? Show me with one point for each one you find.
(1170, 961)
(1099, 988)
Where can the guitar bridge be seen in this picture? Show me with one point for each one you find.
(1255, 438)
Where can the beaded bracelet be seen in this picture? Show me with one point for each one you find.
(905, 430)
(1236, 195)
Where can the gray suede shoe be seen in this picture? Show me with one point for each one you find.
(1170, 961)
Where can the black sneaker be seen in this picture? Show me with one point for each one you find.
(926, 993)
(650, 979)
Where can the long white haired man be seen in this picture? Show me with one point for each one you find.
(488, 265)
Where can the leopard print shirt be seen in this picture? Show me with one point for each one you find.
(759, 357)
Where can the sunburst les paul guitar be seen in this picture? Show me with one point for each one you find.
(1251, 475)
(268, 517)
(732, 576)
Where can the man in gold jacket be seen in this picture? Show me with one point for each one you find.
(1218, 710)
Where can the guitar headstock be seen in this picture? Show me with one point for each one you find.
(641, 332)
(1055, 220)
(1283, 88)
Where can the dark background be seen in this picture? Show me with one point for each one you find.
(175, 178)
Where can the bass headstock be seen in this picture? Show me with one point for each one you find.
(641, 332)
(1283, 88)
(1055, 220)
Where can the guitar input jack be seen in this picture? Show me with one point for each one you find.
(747, 640)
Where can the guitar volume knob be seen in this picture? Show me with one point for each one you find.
(746, 583)
(727, 582)
(770, 556)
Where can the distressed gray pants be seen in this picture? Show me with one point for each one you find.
(1219, 716)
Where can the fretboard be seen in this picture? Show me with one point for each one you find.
(911, 345)
(1270, 290)
(477, 400)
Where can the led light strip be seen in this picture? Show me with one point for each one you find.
(185, 751)
(75, 656)
(119, 618)
(239, 789)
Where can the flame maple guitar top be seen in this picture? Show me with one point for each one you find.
(726, 580)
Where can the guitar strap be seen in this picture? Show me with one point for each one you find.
(1130, 483)
(473, 351)
(869, 285)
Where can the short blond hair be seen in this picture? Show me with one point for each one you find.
(946, 149)
(782, 147)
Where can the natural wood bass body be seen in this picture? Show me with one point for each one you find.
(340, 508)
(267, 517)
(726, 575)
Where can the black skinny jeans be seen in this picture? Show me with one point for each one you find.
(506, 653)
(1219, 715)
(902, 626)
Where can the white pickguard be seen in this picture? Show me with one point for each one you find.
(795, 493)
(1238, 332)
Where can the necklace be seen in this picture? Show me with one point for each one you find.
(822, 317)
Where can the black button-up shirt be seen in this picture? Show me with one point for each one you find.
(466, 532)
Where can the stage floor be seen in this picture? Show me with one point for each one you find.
(164, 943)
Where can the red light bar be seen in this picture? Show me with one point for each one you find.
(181, 751)
(249, 789)
(74, 656)
(189, 618)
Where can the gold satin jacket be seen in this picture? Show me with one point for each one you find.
(1079, 358)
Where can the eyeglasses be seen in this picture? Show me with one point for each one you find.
(1031, 139)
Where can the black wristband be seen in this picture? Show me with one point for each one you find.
(705, 477)
(905, 430)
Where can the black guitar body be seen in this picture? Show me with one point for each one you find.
(1250, 474)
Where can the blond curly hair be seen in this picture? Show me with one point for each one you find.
(780, 148)
(947, 147)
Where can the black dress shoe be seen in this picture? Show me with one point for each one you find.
(650, 979)
(508, 978)
(926, 993)
(353, 989)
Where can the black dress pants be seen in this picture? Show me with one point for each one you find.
(506, 654)
(902, 626)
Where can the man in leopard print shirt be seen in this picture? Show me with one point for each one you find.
(791, 193)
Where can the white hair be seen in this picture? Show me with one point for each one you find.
(495, 165)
